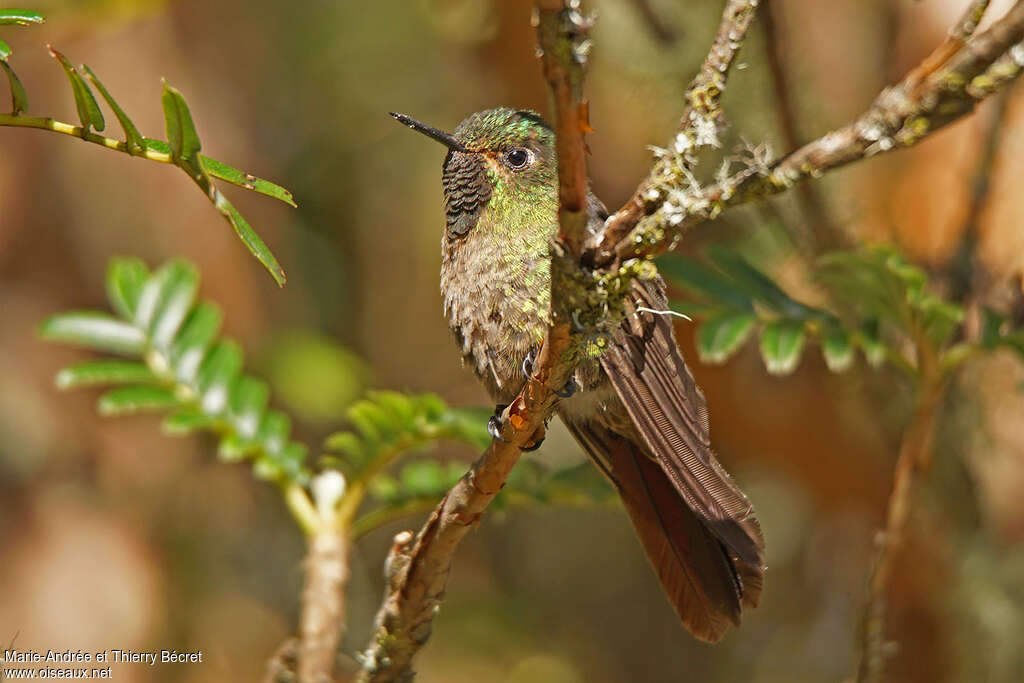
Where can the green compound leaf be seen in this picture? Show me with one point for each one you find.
(89, 113)
(994, 326)
(20, 17)
(248, 401)
(132, 137)
(5, 50)
(274, 430)
(939, 318)
(104, 372)
(862, 281)
(19, 98)
(185, 369)
(184, 149)
(423, 477)
(94, 330)
(781, 344)
(216, 375)
(387, 425)
(720, 336)
(131, 400)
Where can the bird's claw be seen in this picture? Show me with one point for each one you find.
(494, 424)
(568, 390)
(494, 429)
(534, 446)
(528, 360)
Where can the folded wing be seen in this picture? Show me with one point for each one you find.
(669, 414)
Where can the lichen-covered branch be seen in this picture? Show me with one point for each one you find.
(562, 36)
(698, 127)
(944, 87)
(969, 20)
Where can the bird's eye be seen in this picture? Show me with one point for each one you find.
(517, 158)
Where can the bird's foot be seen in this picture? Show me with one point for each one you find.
(494, 429)
(538, 439)
(530, 358)
(494, 424)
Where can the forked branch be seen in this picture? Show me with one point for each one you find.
(944, 87)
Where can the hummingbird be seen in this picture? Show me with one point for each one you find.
(635, 408)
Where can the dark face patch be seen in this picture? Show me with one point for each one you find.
(466, 189)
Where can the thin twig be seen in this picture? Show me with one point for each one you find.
(944, 87)
(310, 658)
(46, 123)
(826, 234)
(698, 127)
(322, 622)
(665, 34)
(963, 268)
(914, 457)
(969, 20)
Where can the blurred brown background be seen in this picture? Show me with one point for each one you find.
(116, 537)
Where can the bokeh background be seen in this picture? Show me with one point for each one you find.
(113, 536)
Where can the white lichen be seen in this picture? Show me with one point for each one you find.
(705, 132)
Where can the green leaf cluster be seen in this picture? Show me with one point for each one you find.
(16, 17)
(734, 299)
(172, 360)
(387, 427)
(388, 424)
(182, 149)
(878, 303)
(878, 286)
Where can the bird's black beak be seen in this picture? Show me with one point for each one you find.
(446, 139)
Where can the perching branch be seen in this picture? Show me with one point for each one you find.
(944, 87)
(561, 33)
(417, 569)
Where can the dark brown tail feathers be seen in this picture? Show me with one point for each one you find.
(706, 584)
